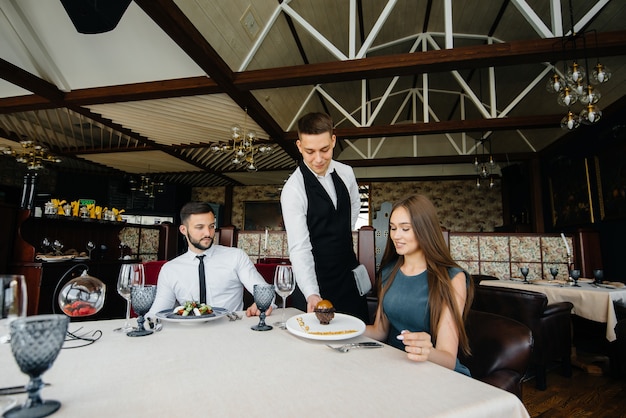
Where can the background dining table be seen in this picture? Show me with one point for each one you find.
(590, 302)
(223, 368)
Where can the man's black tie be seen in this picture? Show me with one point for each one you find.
(202, 278)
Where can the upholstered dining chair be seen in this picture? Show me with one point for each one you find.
(501, 350)
(550, 324)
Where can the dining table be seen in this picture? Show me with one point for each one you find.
(222, 368)
(591, 301)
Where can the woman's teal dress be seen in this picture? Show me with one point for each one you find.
(406, 306)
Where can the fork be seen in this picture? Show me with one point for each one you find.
(347, 347)
(233, 316)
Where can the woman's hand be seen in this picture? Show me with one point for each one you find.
(418, 345)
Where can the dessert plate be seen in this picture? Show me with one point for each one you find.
(341, 327)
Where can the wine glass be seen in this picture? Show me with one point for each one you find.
(130, 275)
(141, 297)
(263, 296)
(598, 275)
(554, 272)
(524, 271)
(284, 285)
(13, 302)
(35, 343)
(57, 247)
(575, 275)
(90, 247)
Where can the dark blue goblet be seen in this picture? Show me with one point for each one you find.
(263, 297)
(575, 275)
(554, 272)
(141, 299)
(35, 343)
(598, 276)
(524, 271)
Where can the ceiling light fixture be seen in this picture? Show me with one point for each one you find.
(484, 165)
(242, 146)
(576, 85)
(147, 186)
(31, 154)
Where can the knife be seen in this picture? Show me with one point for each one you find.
(14, 390)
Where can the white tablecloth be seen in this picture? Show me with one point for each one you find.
(223, 368)
(595, 304)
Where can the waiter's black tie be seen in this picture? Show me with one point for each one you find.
(202, 278)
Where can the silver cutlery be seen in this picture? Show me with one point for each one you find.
(15, 390)
(233, 316)
(347, 347)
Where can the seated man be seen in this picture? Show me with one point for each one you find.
(207, 273)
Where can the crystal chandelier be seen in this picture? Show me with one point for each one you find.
(576, 82)
(31, 154)
(242, 147)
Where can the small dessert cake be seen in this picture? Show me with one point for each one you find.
(324, 311)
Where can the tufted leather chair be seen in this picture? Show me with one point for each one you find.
(550, 324)
(501, 350)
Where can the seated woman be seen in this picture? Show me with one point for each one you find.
(424, 296)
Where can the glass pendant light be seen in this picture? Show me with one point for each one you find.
(600, 74)
(571, 121)
(590, 114)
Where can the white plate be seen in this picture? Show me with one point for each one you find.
(81, 258)
(341, 327)
(168, 316)
(7, 403)
(54, 258)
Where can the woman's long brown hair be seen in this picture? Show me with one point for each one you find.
(428, 233)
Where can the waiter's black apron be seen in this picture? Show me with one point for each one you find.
(330, 233)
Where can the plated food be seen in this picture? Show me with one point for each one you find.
(341, 328)
(169, 315)
(324, 311)
(193, 308)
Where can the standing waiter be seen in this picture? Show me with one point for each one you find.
(320, 206)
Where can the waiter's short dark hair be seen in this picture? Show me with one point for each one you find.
(194, 208)
(315, 123)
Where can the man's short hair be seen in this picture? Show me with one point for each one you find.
(194, 208)
(315, 123)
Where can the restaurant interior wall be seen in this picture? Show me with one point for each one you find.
(461, 206)
(584, 188)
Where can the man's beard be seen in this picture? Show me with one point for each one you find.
(198, 245)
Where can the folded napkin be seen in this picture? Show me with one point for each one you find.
(585, 280)
(556, 282)
(617, 285)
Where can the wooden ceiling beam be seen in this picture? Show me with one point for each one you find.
(452, 126)
(479, 56)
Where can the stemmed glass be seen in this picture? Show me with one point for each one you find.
(263, 296)
(141, 297)
(575, 275)
(284, 284)
(524, 271)
(130, 275)
(598, 275)
(13, 301)
(554, 272)
(90, 247)
(57, 247)
(35, 343)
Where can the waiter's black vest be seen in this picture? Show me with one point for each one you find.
(330, 233)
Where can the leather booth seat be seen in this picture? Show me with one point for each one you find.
(501, 350)
(550, 324)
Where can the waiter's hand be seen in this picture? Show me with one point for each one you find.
(312, 302)
(254, 311)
